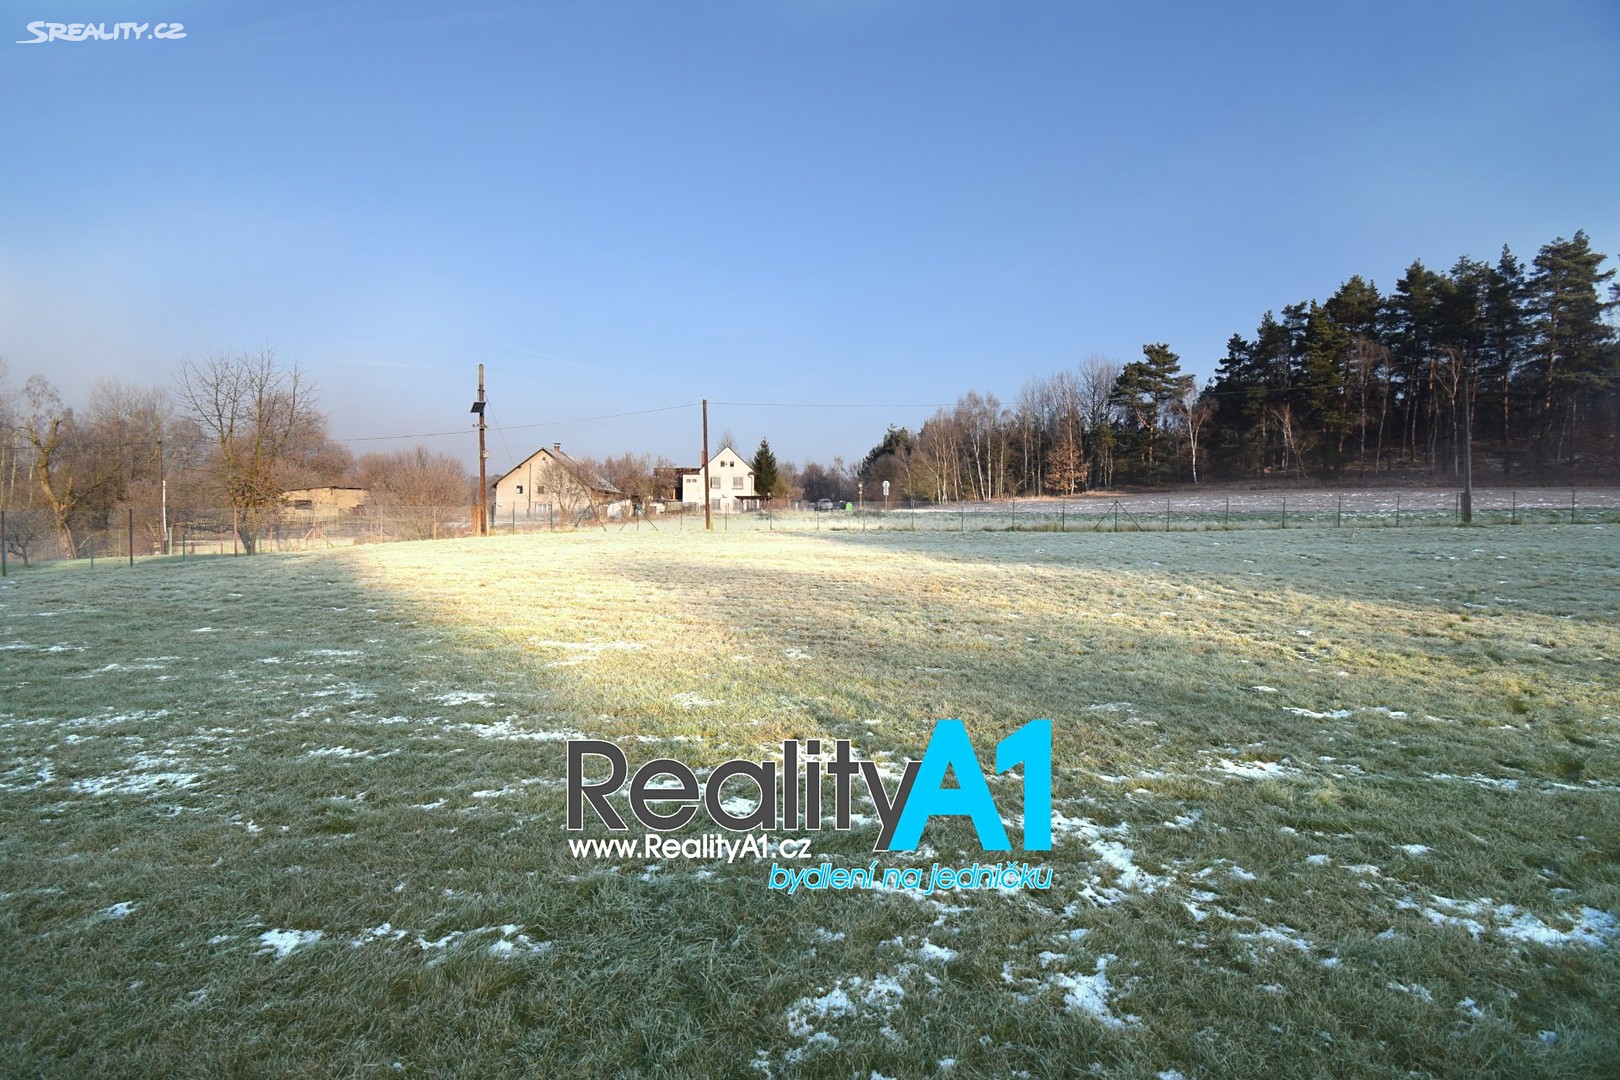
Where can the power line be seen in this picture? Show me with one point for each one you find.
(830, 405)
(522, 427)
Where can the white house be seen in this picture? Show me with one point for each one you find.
(549, 486)
(731, 484)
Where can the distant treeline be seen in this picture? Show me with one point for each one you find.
(1360, 385)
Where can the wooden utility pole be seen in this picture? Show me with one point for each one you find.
(708, 511)
(483, 457)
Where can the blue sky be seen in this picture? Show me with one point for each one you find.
(624, 206)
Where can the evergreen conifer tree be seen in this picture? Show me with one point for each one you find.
(767, 477)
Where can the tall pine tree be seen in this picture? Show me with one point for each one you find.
(767, 477)
(1575, 348)
(1144, 390)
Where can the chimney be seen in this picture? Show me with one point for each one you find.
(557, 446)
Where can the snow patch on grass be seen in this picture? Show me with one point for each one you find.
(1255, 770)
(338, 752)
(283, 943)
(464, 697)
(1271, 938)
(1087, 994)
(1501, 783)
(509, 731)
(1336, 714)
(148, 774)
(1590, 927)
(855, 998)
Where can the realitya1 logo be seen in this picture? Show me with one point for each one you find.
(919, 796)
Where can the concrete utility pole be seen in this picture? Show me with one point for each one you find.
(1467, 448)
(483, 457)
(163, 489)
(708, 511)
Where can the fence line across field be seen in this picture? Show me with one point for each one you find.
(30, 537)
(1200, 512)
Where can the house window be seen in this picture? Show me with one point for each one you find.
(714, 503)
(304, 504)
(714, 482)
(736, 483)
(520, 489)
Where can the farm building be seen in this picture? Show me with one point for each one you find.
(326, 502)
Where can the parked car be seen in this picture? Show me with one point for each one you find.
(824, 505)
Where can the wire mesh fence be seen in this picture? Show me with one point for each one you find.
(1201, 511)
(30, 535)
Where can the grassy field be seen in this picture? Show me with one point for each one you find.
(1327, 803)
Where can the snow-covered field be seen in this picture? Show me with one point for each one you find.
(1326, 802)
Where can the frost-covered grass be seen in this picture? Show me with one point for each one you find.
(1328, 802)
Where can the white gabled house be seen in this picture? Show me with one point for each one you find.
(731, 484)
(550, 486)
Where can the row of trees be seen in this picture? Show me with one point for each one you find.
(235, 431)
(1360, 384)
(1369, 382)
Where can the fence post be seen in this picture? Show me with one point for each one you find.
(1397, 509)
(1116, 515)
(1167, 514)
(132, 537)
(2, 543)
(1572, 506)
(1226, 517)
(961, 517)
(1062, 517)
(1338, 514)
(1513, 514)
(1285, 512)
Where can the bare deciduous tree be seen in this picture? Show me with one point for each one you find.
(1194, 409)
(66, 467)
(1098, 374)
(262, 418)
(416, 491)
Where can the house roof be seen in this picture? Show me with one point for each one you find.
(572, 465)
(723, 451)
